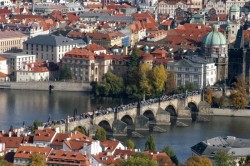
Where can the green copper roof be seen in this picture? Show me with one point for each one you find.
(214, 38)
(234, 8)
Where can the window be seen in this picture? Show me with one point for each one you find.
(187, 69)
(179, 68)
(186, 75)
(179, 75)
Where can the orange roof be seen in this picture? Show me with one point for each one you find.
(26, 151)
(44, 135)
(146, 17)
(104, 159)
(11, 142)
(80, 136)
(110, 145)
(80, 53)
(75, 145)
(2, 58)
(59, 138)
(94, 47)
(167, 22)
(61, 157)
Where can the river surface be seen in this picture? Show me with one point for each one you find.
(17, 106)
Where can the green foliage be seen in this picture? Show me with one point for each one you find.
(198, 161)
(65, 73)
(130, 144)
(150, 144)
(134, 60)
(80, 129)
(222, 158)
(100, 134)
(111, 86)
(190, 86)
(171, 153)
(209, 95)
(35, 125)
(182, 89)
(158, 79)
(3, 162)
(138, 159)
(37, 159)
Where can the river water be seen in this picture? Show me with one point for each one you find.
(17, 106)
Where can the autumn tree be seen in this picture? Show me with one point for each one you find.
(198, 161)
(209, 95)
(222, 158)
(80, 129)
(238, 95)
(3, 162)
(158, 79)
(144, 80)
(100, 134)
(138, 159)
(37, 159)
(130, 144)
(170, 83)
(150, 144)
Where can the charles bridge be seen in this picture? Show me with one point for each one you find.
(139, 116)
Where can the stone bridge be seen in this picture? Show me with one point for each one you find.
(141, 116)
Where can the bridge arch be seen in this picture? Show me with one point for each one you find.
(171, 110)
(105, 124)
(194, 110)
(127, 119)
(150, 115)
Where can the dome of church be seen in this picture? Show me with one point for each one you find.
(234, 8)
(214, 38)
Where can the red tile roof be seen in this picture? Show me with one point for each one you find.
(110, 145)
(94, 47)
(25, 152)
(44, 135)
(11, 142)
(59, 139)
(61, 157)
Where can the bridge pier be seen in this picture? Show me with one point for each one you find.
(141, 123)
(162, 117)
(119, 128)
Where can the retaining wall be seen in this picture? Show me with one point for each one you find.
(58, 86)
(230, 112)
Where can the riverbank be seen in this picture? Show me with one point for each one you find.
(230, 112)
(44, 86)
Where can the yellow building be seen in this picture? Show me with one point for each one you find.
(11, 41)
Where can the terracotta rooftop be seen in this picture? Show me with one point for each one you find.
(44, 135)
(25, 152)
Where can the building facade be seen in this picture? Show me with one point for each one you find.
(50, 48)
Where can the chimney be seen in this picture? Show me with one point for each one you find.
(125, 51)
(10, 133)
(18, 134)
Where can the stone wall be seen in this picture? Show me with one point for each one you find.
(58, 86)
(231, 112)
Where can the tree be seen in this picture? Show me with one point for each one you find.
(65, 73)
(144, 80)
(171, 153)
(134, 59)
(190, 87)
(100, 134)
(222, 158)
(239, 96)
(170, 83)
(209, 95)
(130, 144)
(158, 79)
(198, 161)
(116, 84)
(138, 159)
(35, 125)
(150, 144)
(3, 162)
(37, 159)
(80, 129)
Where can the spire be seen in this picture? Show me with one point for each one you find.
(239, 43)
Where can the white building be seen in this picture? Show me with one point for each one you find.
(17, 61)
(195, 70)
(50, 48)
(165, 7)
(239, 3)
(33, 72)
(219, 6)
